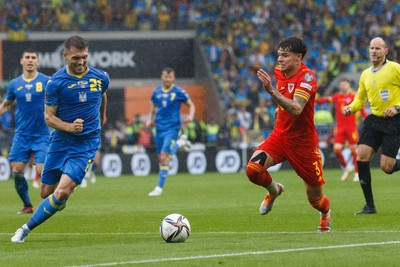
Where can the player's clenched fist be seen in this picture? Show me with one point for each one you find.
(77, 126)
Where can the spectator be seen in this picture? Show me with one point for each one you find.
(113, 138)
(144, 137)
(212, 132)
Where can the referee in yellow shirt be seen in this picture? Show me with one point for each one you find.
(380, 84)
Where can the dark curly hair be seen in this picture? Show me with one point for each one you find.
(293, 44)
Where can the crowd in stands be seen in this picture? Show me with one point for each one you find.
(238, 36)
(131, 133)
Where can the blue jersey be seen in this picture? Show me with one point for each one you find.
(168, 103)
(29, 113)
(78, 97)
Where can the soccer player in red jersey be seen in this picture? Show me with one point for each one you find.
(294, 137)
(346, 126)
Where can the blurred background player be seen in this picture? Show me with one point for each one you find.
(346, 127)
(91, 173)
(165, 112)
(31, 131)
(294, 137)
(30, 173)
(380, 84)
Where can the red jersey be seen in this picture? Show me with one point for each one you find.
(340, 100)
(298, 130)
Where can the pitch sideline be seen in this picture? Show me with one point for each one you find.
(218, 233)
(239, 254)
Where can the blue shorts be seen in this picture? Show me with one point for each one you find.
(165, 140)
(23, 146)
(70, 156)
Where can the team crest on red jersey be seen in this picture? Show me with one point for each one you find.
(290, 87)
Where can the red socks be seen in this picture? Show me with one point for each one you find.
(321, 204)
(258, 175)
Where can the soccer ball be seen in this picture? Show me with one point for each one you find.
(175, 228)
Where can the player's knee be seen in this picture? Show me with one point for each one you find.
(337, 150)
(62, 194)
(44, 194)
(387, 168)
(164, 158)
(253, 170)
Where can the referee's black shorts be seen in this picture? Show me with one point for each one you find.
(385, 132)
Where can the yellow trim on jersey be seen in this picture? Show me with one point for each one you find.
(165, 90)
(78, 76)
(302, 94)
(29, 80)
(380, 87)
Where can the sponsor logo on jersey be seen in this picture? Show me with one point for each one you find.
(71, 86)
(306, 86)
(82, 83)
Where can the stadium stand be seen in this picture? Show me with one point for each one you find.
(238, 36)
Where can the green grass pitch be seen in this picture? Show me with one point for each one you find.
(115, 223)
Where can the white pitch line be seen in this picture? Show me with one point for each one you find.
(238, 254)
(220, 233)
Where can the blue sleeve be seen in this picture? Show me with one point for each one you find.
(153, 97)
(106, 82)
(51, 98)
(10, 96)
(185, 96)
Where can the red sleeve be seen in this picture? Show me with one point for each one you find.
(321, 100)
(364, 113)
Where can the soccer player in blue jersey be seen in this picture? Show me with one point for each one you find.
(165, 112)
(75, 106)
(31, 131)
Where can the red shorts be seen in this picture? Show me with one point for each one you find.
(305, 160)
(343, 134)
